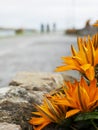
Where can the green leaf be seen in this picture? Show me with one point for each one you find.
(86, 116)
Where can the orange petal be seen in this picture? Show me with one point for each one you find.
(96, 24)
(96, 57)
(64, 68)
(45, 113)
(84, 84)
(40, 127)
(73, 51)
(90, 73)
(85, 67)
(83, 97)
(93, 89)
(67, 102)
(72, 112)
(37, 120)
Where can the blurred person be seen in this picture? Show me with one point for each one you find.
(42, 28)
(54, 27)
(47, 28)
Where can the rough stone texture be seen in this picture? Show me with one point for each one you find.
(7, 126)
(16, 100)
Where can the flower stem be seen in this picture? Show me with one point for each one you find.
(73, 128)
(93, 123)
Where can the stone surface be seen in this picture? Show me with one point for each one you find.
(17, 100)
(7, 126)
(39, 80)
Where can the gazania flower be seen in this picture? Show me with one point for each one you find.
(47, 113)
(96, 24)
(95, 41)
(80, 97)
(84, 60)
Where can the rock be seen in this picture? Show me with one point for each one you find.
(16, 113)
(32, 86)
(26, 89)
(7, 126)
(69, 78)
(41, 81)
(87, 30)
(3, 92)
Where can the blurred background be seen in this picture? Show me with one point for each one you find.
(34, 34)
(31, 13)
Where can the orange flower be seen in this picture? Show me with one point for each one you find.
(95, 40)
(46, 113)
(96, 24)
(80, 97)
(83, 60)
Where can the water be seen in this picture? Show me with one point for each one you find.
(4, 33)
(36, 53)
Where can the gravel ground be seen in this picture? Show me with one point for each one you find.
(33, 53)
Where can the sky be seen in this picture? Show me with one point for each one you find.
(31, 13)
